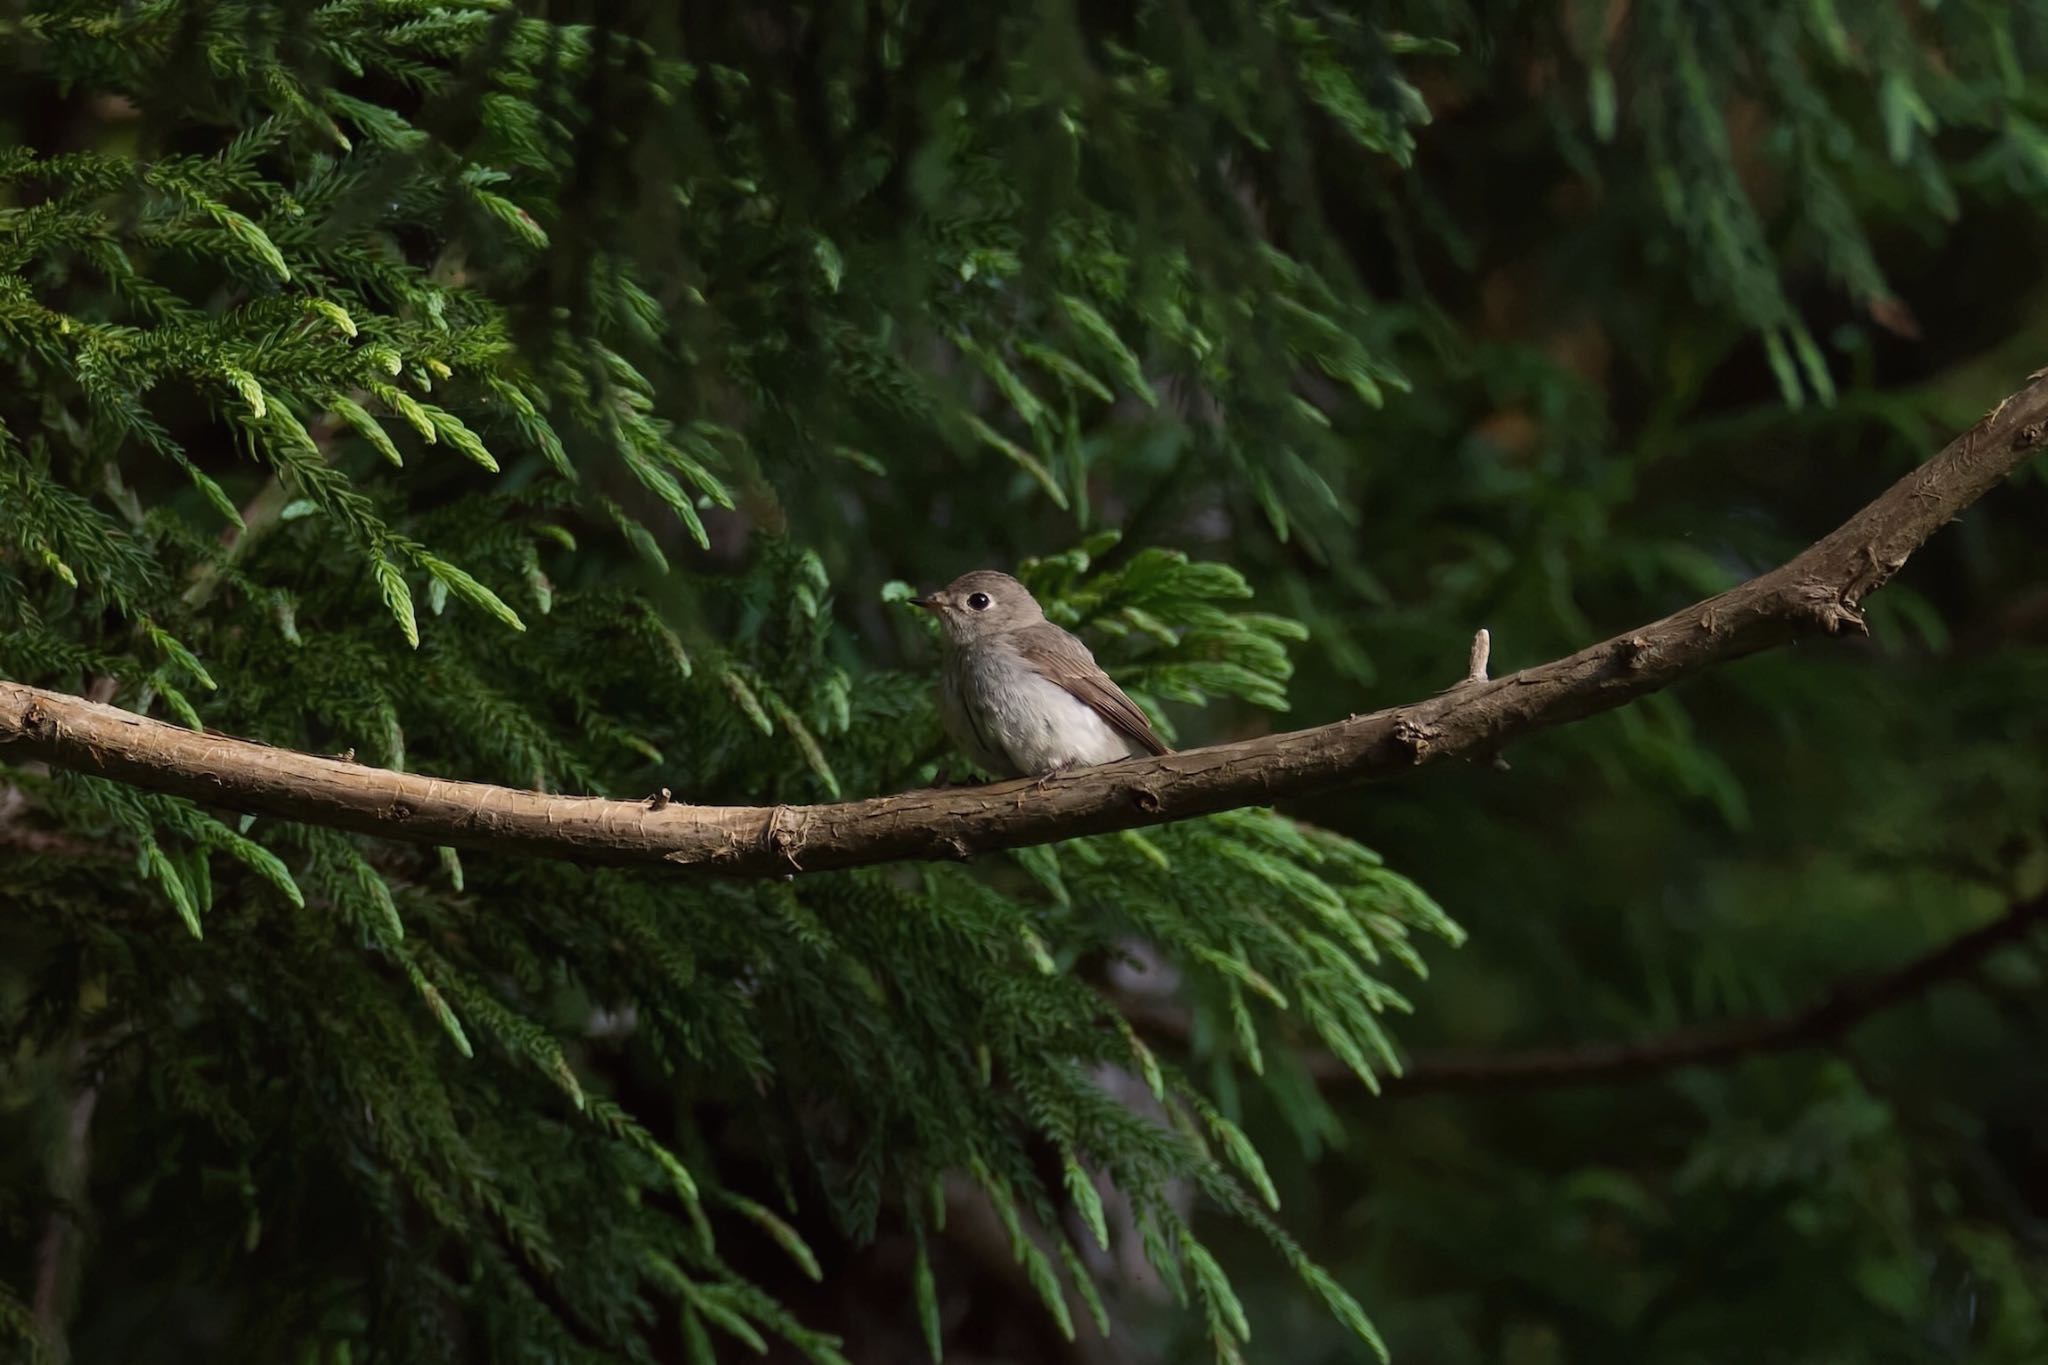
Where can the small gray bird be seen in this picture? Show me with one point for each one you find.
(1020, 696)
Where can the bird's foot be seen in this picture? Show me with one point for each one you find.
(1043, 780)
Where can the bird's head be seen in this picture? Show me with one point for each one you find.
(977, 605)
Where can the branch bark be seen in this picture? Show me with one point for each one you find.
(1819, 591)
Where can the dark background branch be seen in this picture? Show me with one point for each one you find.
(1823, 1022)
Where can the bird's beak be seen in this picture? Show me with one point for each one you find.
(929, 603)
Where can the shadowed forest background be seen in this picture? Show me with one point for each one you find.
(567, 396)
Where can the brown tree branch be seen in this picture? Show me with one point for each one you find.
(1818, 591)
(1824, 1021)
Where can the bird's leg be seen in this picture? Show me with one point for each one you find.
(1044, 779)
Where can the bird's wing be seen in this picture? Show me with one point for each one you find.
(1059, 657)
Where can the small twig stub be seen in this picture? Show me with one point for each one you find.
(1482, 649)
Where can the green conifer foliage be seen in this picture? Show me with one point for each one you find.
(566, 396)
(316, 436)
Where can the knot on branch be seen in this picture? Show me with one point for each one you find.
(36, 723)
(1416, 737)
(1632, 651)
(1146, 800)
(1873, 574)
(786, 842)
(1824, 608)
(2027, 437)
(1839, 618)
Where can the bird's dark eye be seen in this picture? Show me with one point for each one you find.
(977, 601)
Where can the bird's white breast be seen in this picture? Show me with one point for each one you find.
(1014, 722)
